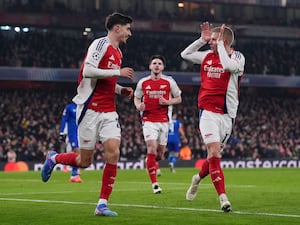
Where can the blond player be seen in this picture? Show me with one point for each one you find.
(221, 71)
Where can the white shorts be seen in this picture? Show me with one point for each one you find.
(215, 127)
(97, 126)
(156, 131)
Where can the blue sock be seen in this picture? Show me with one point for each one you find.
(170, 157)
(174, 159)
(74, 171)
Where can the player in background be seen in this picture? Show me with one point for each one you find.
(158, 92)
(68, 135)
(175, 135)
(221, 71)
(96, 114)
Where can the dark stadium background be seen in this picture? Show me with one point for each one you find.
(43, 44)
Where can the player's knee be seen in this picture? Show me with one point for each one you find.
(216, 154)
(84, 164)
(114, 156)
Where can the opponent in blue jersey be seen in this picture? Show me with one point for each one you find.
(68, 134)
(176, 133)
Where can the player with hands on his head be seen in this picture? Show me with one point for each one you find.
(153, 96)
(221, 71)
(97, 118)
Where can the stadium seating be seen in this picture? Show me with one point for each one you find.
(267, 125)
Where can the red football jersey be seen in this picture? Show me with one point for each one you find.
(150, 90)
(100, 93)
(219, 88)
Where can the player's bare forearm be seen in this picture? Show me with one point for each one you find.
(139, 104)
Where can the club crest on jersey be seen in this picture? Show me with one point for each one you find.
(163, 86)
(96, 56)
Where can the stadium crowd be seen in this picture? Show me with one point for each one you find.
(267, 126)
(202, 12)
(56, 50)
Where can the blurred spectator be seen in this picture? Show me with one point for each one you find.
(185, 152)
(267, 126)
(11, 156)
(56, 49)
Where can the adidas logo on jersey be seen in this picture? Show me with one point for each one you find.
(112, 58)
(148, 87)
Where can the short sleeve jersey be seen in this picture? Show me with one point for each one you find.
(150, 90)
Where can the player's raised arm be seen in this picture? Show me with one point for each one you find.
(191, 52)
(232, 61)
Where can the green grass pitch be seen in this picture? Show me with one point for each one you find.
(258, 196)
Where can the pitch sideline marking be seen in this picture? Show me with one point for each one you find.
(205, 186)
(149, 206)
(136, 182)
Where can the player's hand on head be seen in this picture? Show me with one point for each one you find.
(62, 137)
(206, 30)
(127, 72)
(127, 92)
(221, 34)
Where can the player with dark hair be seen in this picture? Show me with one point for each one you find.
(97, 118)
(153, 96)
(221, 71)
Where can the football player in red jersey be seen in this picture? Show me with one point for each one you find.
(97, 118)
(221, 71)
(153, 97)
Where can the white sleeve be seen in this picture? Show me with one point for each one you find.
(175, 90)
(192, 54)
(93, 57)
(92, 72)
(235, 63)
(138, 90)
(118, 89)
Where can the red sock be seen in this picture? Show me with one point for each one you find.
(151, 167)
(204, 169)
(67, 158)
(216, 174)
(108, 180)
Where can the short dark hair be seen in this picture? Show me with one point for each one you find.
(116, 18)
(163, 59)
